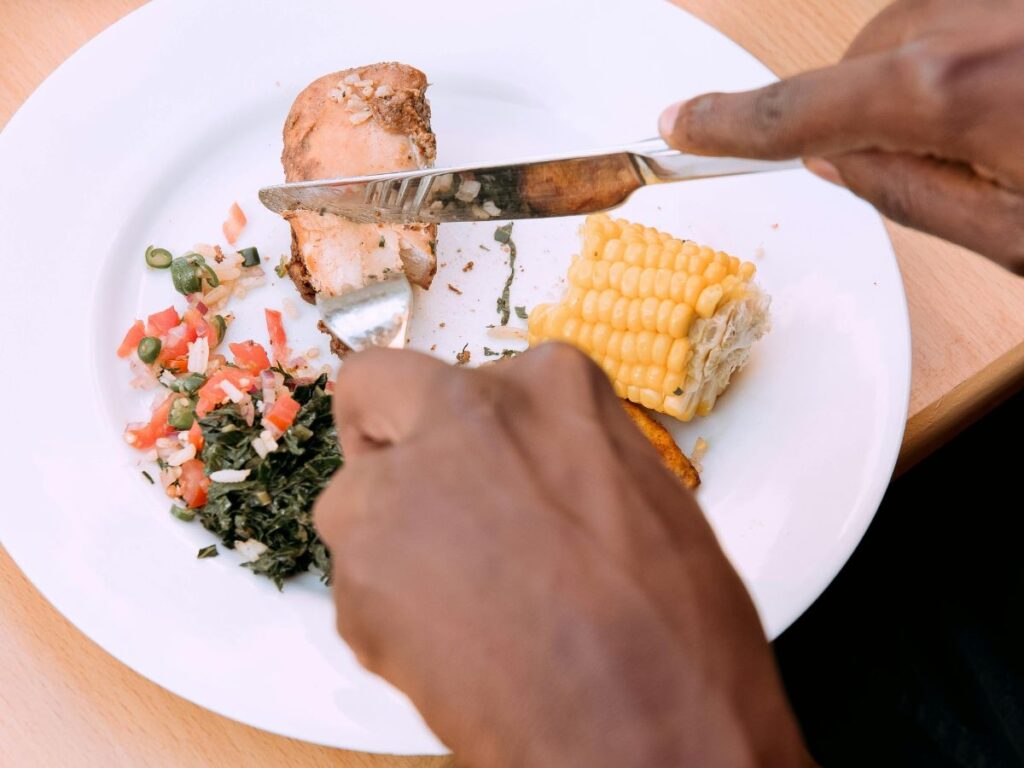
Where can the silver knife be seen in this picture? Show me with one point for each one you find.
(524, 189)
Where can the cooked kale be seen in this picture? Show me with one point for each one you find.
(274, 504)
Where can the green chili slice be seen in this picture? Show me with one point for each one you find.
(250, 257)
(160, 258)
(148, 349)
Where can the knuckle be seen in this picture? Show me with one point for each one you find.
(930, 74)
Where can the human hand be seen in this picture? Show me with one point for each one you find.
(509, 551)
(923, 118)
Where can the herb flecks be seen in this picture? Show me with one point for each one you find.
(504, 236)
(488, 352)
(382, 242)
(149, 477)
(205, 552)
(282, 267)
(521, 313)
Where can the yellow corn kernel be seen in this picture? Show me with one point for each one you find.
(588, 309)
(721, 257)
(659, 349)
(650, 398)
(614, 347)
(611, 228)
(664, 316)
(690, 247)
(630, 279)
(704, 408)
(605, 304)
(730, 282)
(620, 391)
(592, 242)
(715, 272)
(638, 375)
(673, 406)
(599, 338)
(619, 312)
(694, 285)
(581, 273)
(635, 253)
(574, 299)
(747, 270)
(615, 274)
(645, 285)
(653, 378)
(679, 321)
(707, 303)
(653, 255)
(707, 252)
(599, 276)
(628, 349)
(649, 313)
(677, 288)
(570, 330)
(644, 343)
(677, 354)
(585, 338)
(610, 365)
(690, 410)
(554, 321)
(672, 384)
(632, 232)
(613, 250)
(698, 263)
(734, 265)
(633, 393)
(651, 235)
(624, 373)
(662, 283)
(634, 322)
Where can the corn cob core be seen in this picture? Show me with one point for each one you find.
(669, 321)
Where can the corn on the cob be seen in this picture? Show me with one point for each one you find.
(669, 321)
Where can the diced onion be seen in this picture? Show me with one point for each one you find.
(229, 475)
(199, 355)
(468, 190)
(178, 458)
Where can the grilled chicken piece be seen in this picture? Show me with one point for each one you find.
(360, 121)
(673, 458)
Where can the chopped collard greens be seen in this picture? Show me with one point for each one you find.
(274, 504)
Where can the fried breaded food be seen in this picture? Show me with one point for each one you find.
(673, 458)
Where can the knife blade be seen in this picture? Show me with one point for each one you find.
(522, 189)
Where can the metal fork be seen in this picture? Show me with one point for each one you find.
(375, 315)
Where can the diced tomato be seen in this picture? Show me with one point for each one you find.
(175, 346)
(234, 224)
(197, 325)
(195, 436)
(145, 437)
(161, 322)
(211, 393)
(278, 339)
(193, 483)
(283, 411)
(132, 339)
(251, 356)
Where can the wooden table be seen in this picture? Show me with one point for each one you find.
(63, 701)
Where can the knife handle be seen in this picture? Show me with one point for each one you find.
(660, 163)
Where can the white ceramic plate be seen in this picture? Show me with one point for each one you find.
(148, 134)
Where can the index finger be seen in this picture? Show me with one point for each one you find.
(380, 395)
(860, 103)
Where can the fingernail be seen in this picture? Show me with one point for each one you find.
(823, 169)
(667, 121)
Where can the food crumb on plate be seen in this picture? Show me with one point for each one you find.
(453, 289)
(468, 267)
(464, 356)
